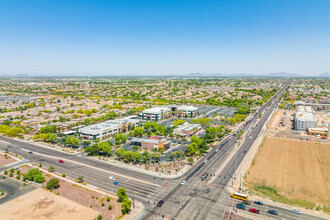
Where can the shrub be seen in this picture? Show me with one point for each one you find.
(39, 178)
(109, 207)
(40, 165)
(108, 198)
(31, 173)
(12, 170)
(18, 172)
(5, 172)
(18, 177)
(63, 175)
(52, 183)
(11, 174)
(102, 204)
(51, 169)
(99, 217)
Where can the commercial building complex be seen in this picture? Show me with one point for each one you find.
(151, 143)
(187, 129)
(107, 129)
(162, 112)
(305, 118)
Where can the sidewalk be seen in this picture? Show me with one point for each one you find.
(97, 168)
(140, 170)
(44, 145)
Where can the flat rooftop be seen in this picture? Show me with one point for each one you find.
(308, 116)
(107, 125)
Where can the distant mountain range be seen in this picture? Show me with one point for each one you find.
(275, 75)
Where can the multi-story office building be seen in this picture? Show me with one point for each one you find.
(161, 112)
(305, 118)
(107, 129)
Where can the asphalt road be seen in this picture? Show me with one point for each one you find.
(94, 172)
(13, 189)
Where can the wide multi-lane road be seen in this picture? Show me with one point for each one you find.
(94, 172)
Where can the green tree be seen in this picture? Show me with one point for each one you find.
(126, 205)
(104, 147)
(147, 125)
(32, 173)
(176, 123)
(121, 193)
(232, 120)
(52, 183)
(138, 131)
(39, 178)
(119, 152)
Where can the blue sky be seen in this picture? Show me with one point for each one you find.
(164, 36)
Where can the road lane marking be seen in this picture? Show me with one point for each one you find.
(85, 165)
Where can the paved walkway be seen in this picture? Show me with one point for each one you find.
(14, 164)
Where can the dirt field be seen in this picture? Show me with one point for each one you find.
(41, 204)
(276, 118)
(295, 169)
(6, 160)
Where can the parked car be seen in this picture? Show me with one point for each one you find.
(323, 138)
(183, 182)
(273, 212)
(9, 146)
(254, 211)
(246, 202)
(205, 161)
(216, 150)
(295, 211)
(160, 203)
(240, 206)
(116, 183)
(112, 178)
(61, 161)
(258, 203)
(30, 152)
(198, 168)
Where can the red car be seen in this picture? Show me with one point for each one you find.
(254, 211)
(61, 161)
(323, 138)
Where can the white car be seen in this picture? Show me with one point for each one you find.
(250, 137)
(183, 182)
(295, 211)
(216, 150)
(205, 161)
(112, 178)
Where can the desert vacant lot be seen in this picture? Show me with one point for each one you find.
(297, 170)
(41, 204)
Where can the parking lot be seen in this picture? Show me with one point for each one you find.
(13, 189)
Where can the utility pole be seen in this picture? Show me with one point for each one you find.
(133, 201)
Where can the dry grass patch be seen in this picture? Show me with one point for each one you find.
(292, 171)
